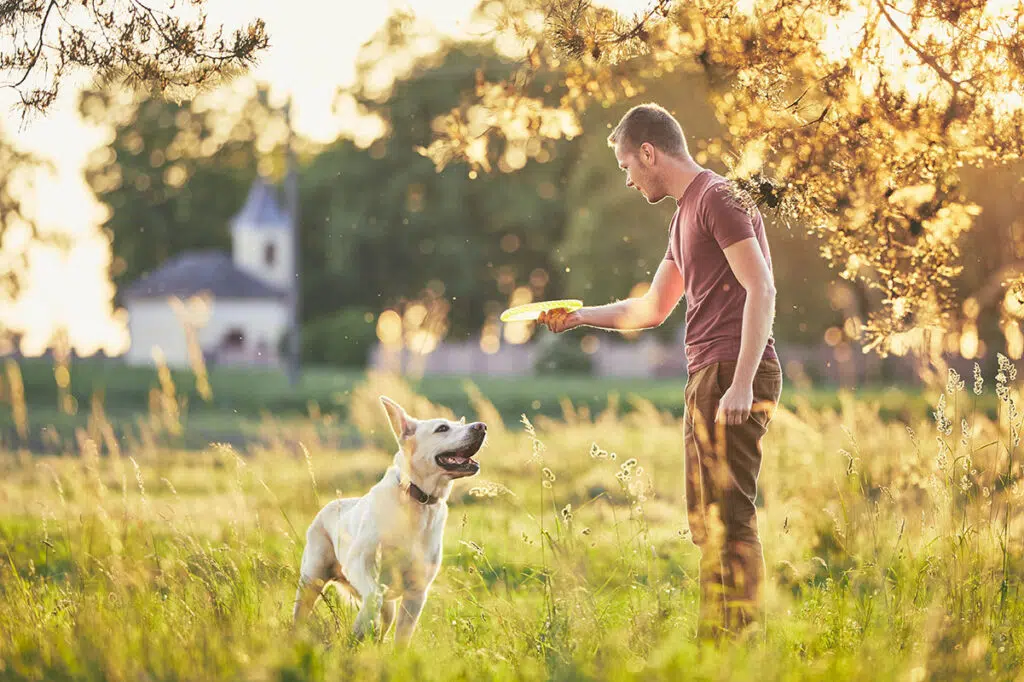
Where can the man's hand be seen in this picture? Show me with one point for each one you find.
(559, 320)
(735, 406)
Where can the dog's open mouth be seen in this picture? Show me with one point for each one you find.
(461, 460)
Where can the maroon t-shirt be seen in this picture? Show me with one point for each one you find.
(707, 221)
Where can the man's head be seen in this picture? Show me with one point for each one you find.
(647, 140)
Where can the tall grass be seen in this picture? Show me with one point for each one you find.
(893, 550)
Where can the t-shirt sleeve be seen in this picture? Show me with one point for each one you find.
(725, 218)
(673, 234)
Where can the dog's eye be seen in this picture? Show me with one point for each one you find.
(441, 429)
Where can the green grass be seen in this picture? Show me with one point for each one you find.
(242, 398)
(885, 560)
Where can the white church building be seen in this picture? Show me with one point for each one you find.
(233, 307)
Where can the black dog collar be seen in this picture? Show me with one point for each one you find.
(416, 493)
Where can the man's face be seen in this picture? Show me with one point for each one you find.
(640, 164)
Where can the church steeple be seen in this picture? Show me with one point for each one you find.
(261, 235)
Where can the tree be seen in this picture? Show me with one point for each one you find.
(175, 173)
(125, 42)
(391, 227)
(852, 119)
(15, 171)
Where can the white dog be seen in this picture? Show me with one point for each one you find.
(386, 545)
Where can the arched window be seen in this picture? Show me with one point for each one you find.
(234, 338)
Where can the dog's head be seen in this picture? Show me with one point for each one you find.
(436, 447)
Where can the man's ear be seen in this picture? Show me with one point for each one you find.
(402, 425)
(647, 153)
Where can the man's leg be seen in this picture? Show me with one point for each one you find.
(743, 553)
(722, 466)
(703, 499)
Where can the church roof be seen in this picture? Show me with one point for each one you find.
(262, 208)
(194, 272)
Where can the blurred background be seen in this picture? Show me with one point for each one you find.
(201, 237)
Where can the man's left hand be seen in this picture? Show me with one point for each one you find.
(735, 405)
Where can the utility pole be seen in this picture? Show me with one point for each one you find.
(294, 295)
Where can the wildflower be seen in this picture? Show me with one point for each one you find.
(913, 436)
(851, 462)
(475, 548)
(940, 459)
(489, 489)
(944, 424)
(1006, 366)
(954, 384)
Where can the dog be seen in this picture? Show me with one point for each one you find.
(385, 547)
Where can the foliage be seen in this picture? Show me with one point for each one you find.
(175, 174)
(123, 42)
(852, 119)
(342, 339)
(16, 167)
(380, 228)
(562, 354)
(391, 227)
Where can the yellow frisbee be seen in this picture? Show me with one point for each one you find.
(531, 311)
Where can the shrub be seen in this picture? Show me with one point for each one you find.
(563, 353)
(342, 339)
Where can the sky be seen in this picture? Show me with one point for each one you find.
(313, 49)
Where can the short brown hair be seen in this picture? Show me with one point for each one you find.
(650, 123)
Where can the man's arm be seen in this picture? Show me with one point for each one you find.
(643, 312)
(748, 264)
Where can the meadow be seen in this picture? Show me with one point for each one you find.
(243, 403)
(893, 546)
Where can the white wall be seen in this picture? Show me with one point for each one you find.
(645, 358)
(249, 249)
(154, 323)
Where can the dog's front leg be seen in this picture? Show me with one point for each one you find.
(365, 578)
(369, 613)
(387, 616)
(408, 615)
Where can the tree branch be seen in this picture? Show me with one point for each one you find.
(922, 55)
(39, 47)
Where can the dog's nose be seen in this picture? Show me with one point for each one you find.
(478, 426)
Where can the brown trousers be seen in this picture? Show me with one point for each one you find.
(722, 466)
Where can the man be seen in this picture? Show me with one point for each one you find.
(718, 256)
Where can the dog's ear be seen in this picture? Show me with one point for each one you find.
(402, 425)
